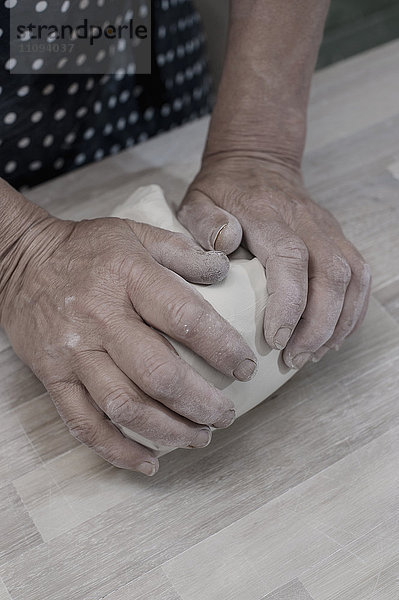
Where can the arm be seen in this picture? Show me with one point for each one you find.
(264, 91)
(250, 183)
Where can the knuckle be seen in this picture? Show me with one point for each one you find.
(179, 242)
(339, 271)
(163, 376)
(83, 431)
(181, 239)
(99, 312)
(141, 276)
(119, 407)
(292, 248)
(295, 306)
(186, 316)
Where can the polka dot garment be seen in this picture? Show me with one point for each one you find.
(51, 124)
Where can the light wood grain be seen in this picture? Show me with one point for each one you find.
(17, 455)
(294, 590)
(299, 498)
(306, 533)
(18, 531)
(4, 595)
(152, 585)
(296, 409)
(314, 422)
(388, 295)
(17, 382)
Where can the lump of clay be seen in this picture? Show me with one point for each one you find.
(240, 299)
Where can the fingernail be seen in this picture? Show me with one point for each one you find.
(301, 359)
(320, 353)
(203, 438)
(281, 338)
(148, 468)
(217, 234)
(226, 419)
(245, 370)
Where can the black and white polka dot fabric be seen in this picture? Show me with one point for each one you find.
(51, 124)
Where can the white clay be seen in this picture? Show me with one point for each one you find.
(240, 299)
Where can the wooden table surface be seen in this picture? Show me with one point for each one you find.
(299, 498)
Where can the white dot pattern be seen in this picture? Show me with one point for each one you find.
(89, 133)
(10, 166)
(59, 114)
(23, 142)
(55, 124)
(10, 64)
(48, 89)
(37, 64)
(73, 88)
(36, 116)
(41, 7)
(70, 138)
(10, 118)
(48, 140)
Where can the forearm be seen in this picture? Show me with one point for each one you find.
(20, 223)
(263, 95)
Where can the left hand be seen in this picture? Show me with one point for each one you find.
(318, 284)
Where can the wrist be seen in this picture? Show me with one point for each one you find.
(277, 136)
(257, 170)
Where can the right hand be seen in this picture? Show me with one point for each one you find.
(82, 308)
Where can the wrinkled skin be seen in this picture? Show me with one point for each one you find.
(78, 303)
(318, 284)
(82, 308)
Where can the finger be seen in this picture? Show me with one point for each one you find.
(125, 404)
(356, 296)
(153, 365)
(287, 285)
(212, 227)
(165, 301)
(280, 250)
(91, 428)
(285, 258)
(181, 254)
(329, 277)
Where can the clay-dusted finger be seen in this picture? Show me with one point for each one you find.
(329, 277)
(92, 428)
(167, 302)
(285, 258)
(213, 227)
(125, 404)
(356, 297)
(149, 361)
(183, 255)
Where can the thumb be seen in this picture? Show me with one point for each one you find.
(212, 227)
(181, 254)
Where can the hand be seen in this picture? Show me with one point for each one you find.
(317, 282)
(82, 309)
